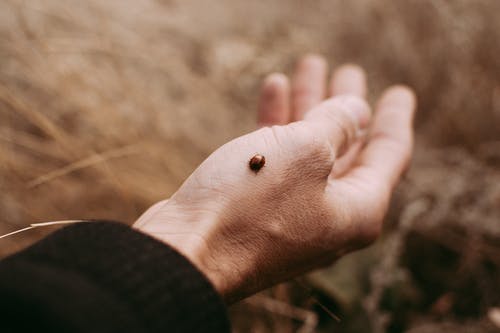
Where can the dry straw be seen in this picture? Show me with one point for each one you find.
(41, 224)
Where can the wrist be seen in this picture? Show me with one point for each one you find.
(191, 233)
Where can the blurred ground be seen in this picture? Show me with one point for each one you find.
(106, 106)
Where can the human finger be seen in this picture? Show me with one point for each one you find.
(348, 79)
(390, 142)
(308, 85)
(341, 119)
(274, 103)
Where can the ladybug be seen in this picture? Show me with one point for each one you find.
(257, 162)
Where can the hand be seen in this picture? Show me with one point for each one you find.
(323, 191)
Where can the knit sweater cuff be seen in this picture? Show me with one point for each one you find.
(159, 286)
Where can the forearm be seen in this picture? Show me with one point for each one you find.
(106, 277)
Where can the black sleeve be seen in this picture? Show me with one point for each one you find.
(105, 277)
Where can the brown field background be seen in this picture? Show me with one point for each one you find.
(107, 106)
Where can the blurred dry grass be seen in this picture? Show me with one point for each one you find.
(106, 106)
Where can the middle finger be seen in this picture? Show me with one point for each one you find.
(308, 85)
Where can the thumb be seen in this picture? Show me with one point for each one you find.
(340, 120)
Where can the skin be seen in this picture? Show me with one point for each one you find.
(331, 166)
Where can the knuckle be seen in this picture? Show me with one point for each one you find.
(311, 149)
(304, 153)
(344, 129)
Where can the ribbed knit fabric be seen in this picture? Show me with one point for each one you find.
(105, 277)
